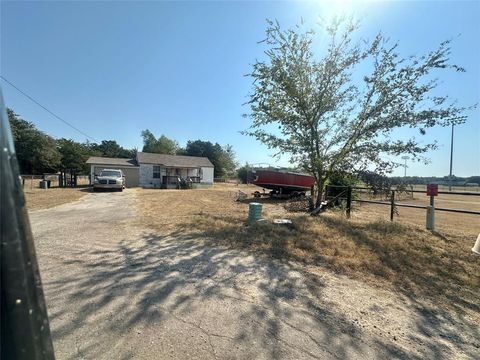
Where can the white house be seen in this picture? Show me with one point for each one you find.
(157, 170)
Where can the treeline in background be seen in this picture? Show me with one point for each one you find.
(39, 153)
(444, 180)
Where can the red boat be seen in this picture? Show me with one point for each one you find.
(280, 181)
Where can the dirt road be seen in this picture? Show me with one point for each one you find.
(118, 291)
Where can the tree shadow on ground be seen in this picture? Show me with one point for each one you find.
(419, 273)
(410, 260)
(226, 295)
(417, 267)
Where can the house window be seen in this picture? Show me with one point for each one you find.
(156, 172)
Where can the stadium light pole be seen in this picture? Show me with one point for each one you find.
(451, 161)
(405, 166)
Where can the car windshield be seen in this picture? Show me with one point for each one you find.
(110, 173)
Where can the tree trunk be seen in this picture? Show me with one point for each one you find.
(320, 184)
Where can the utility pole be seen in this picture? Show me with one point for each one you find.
(405, 166)
(451, 162)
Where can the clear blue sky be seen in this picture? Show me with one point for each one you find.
(177, 68)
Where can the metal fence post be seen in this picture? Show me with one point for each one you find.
(430, 225)
(392, 204)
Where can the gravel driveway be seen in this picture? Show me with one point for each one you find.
(117, 291)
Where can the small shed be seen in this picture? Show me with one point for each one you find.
(129, 167)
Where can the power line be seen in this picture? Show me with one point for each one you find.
(44, 108)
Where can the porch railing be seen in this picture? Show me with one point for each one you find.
(174, 180)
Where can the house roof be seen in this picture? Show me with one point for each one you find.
(173, 160)
(111, 161)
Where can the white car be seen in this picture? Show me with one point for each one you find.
(109, 179)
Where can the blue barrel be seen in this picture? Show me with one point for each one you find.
(254, 211)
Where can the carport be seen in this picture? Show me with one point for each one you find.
(128, 166)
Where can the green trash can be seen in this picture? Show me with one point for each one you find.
(254, 211)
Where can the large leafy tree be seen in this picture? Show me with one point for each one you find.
(222, 158)
(74, 155)
(162, 145)
(227, 159)
(242, 173)
(319, 109)
(110, 148)
(36, 151)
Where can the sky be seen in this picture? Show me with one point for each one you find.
(115, 68)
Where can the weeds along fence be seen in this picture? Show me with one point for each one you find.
(454, 210)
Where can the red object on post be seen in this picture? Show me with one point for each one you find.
(432, 190)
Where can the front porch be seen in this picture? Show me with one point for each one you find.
(175, 179)
(170, 177)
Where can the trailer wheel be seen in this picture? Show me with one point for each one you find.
(257, 194)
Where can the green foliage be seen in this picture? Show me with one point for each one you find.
(110, 148)
(222, 158)
(341, 178)
(36, 151)
(39, 153)
(378, 183)
(227, 161)
(74, 155)
(162, 145)
(242, 173)
(473, 179)
(329, 121)
(424, 180)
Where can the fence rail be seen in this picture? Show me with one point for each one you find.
(393, 203)
(416, 206)
(468, 193)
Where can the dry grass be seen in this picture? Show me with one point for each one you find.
(46, 198)
(399, 256)
(463, 224)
